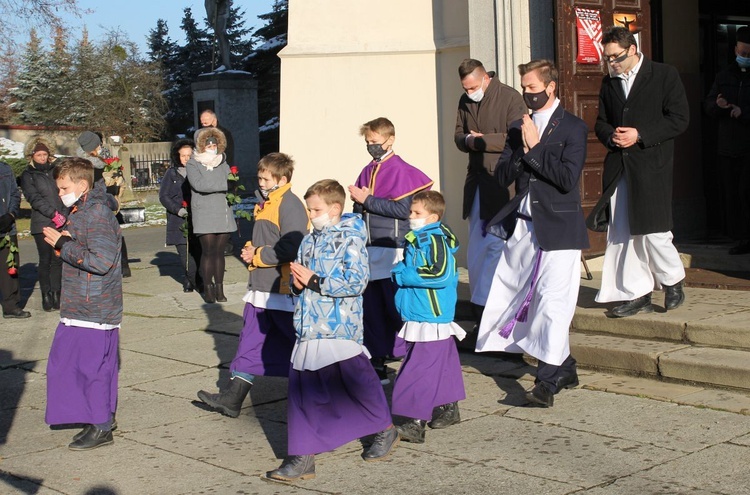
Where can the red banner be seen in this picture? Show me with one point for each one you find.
(589, 24)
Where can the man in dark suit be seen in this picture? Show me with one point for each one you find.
(642, 108)
(535, 287)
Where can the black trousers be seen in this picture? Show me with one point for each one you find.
(549, 373)
(49, 269)
(9, 285)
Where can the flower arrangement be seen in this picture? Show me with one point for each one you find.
(113, 164)
(235, 199)
(10, 261)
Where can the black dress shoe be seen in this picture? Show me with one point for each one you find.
(540, 396)
(674, 296)
(567, 381)
(630, 308)
(92, 438)
(382, 445)
(16, 313)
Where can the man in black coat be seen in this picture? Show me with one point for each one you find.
(535, 286)
(728, 102)
(642, 108)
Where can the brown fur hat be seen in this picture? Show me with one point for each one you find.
(28, 149)
(207, 132)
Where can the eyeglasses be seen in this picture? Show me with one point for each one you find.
(616, 59)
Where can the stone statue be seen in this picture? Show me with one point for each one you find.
(218, 14)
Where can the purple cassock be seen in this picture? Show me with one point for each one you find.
(266, 342)
(334, 405)
(393, 178)
(430, 376)
(82, 375)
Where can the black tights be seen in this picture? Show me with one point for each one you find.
(212, 257)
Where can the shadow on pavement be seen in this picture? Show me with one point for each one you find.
(12, 387)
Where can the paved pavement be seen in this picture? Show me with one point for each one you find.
(613, 435)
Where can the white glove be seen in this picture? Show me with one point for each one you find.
(182, 213)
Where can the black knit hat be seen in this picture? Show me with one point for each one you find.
(743, 35)
(89, 141)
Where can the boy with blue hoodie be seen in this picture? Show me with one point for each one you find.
(335, 395)
(430, 375)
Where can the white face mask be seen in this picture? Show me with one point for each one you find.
(212, 151)
(417, 223)
(70, 199)
(477, 95)
(321, 221)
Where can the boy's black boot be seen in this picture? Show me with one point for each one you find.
(382, 445)
(228, 402)
(209, 294)
(220, 297)
(47, 301)
(447, 415)
(294, 467)
(92, 438)
(412, 431)
(56, 299)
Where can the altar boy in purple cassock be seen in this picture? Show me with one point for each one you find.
(334, 393)
(382, 194)
(430, 376)
(83, 362)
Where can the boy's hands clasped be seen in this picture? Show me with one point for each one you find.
(359, 194)
(51, 236)
(301, 275)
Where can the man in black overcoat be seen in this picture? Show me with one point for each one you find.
(642, 108)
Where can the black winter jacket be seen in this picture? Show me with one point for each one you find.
(41, 192)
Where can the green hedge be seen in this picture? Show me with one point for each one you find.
(17, 164)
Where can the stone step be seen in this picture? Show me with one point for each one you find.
(663, 360)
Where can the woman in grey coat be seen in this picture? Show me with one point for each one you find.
(213, 218)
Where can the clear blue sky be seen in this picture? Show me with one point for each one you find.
(138, 17)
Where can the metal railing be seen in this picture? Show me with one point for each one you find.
(148, 170)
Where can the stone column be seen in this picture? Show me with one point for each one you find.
(234, 97)
(499, 36)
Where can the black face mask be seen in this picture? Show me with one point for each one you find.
(535, 101)
(376, 151)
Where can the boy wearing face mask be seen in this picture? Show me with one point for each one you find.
(83, 361)
(430, 376)
(334, 394)
(535, 286)
(267, 336)
(728, 102)
(382, 195)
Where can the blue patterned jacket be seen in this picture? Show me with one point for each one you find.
(337, 254)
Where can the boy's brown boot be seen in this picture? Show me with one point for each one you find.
(294, 467)
(412, 431)
(446, 415)
(382, 445)
(228, 402)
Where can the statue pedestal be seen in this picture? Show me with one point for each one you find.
(233, 96)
